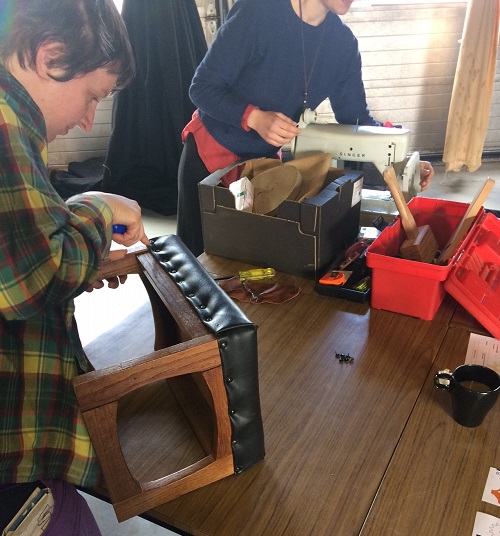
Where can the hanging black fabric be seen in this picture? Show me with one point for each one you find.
(149, 115)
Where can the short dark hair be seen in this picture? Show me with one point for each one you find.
(92, 33)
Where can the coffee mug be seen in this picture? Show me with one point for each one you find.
(474, 390)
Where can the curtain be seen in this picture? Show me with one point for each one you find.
(149, 115)
(473, 87)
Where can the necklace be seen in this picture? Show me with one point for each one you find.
(307, 79)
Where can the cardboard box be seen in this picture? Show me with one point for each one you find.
(302, 239)
(410, 287)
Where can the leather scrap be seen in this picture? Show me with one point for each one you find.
(275, 181)
(257, 292)
(314, 171)
(274, 186)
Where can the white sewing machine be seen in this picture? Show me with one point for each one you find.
(382, 146)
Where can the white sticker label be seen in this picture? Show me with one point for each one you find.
(356, 192)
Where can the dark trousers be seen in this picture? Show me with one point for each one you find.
(192, 170)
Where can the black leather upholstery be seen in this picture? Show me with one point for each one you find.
(237, 339)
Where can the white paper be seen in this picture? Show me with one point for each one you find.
(486, 525)
(491, 492)
(356, 192)
(483, 350)
(242, 190)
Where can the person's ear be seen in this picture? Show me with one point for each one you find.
(45, 56)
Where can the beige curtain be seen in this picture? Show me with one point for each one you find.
(473, 87)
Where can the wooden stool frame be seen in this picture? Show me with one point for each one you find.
(195, 324)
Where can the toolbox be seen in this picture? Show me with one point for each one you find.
(302, 238)
(348, 278)
(471, 276)
(474, 280)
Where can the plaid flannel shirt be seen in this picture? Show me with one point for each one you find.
(50, 252)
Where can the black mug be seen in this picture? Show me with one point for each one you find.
(474, 390)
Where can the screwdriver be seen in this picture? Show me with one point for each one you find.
(251, 275)
(119, 228)
(256, 274)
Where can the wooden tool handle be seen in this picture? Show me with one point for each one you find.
(466, 222)
(407, 220)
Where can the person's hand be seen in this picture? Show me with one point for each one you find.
(126, 212)
(274, 127)
(113, 282)
(426, 174)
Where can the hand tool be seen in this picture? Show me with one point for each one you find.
(255, 274)
(118, 228)
(466, 222)
(420, 244)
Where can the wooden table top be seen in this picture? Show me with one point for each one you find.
(364, 448)
(435, 481)
(333, 430)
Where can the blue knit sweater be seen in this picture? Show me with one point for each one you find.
(257, 58)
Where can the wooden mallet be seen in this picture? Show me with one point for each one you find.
(420, 244)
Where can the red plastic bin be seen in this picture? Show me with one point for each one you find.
(410, 287)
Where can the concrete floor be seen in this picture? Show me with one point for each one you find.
(463, 186)
(109, 526)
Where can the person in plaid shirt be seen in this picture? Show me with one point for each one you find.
(58, 59)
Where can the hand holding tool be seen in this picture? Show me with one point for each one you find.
(118, 228)
(420, 244)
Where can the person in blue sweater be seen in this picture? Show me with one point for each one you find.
(270, 60)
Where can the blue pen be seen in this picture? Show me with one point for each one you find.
(119, 228)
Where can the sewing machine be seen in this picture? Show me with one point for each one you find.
(382, 146)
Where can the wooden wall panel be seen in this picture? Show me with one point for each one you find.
(77, 145)
(409, 54)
